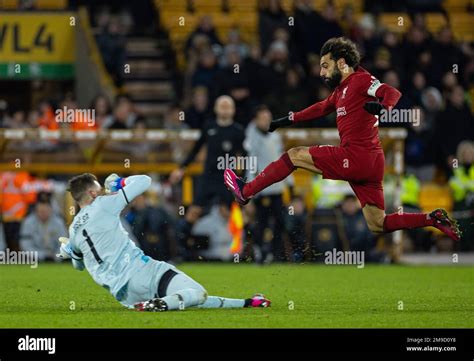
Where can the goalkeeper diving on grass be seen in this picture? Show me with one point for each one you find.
(99, 243)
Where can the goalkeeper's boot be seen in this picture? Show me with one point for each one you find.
(445, 224)
(236, 186)
(153, 305)
(258, 300)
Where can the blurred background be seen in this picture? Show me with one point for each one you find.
(142, 77)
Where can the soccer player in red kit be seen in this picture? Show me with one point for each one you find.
(358, 99)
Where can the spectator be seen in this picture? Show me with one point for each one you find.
(198, 113)
(234, 41)
(271, 17)
(206, 70)
(103, 110)
(214, 226)
(453, 125)
(124, 117)
(278, 63)
(152, 227)
(419, 148)
(16, 120)
(266, 147)
(47, 119)
(292, 97)
(234, 80)
(462, 187)
(416, 88)
(447, 55)
(175, 119)
(330, 27)
(295, 224)
(355, 233)
(183, 229)
(15, 198)
(111, 43)
(307, 30)
(205, 28)
(40, 231)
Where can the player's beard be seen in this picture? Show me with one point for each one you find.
(333, 81)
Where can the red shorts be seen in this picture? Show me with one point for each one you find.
(363, 169)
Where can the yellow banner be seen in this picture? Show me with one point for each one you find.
(37, 37)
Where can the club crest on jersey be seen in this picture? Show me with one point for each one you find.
(344, 91)
(341, 111)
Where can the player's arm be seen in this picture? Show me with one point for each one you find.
(387, 96)
(67, 251)
(124, 190)
(317, 110)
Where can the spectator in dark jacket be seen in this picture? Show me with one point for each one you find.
(271, 18)
(453, 125)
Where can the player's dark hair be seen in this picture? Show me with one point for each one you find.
(79, 184)
(342, 48)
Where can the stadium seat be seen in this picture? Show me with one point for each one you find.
(396, 22)
(51, 4)
(462, 25)
(457, 6)
(435, 21)
(9, 4)
(435, 196)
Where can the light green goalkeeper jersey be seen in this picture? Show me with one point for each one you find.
(97, 235)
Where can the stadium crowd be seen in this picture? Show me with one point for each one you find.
(265, 80)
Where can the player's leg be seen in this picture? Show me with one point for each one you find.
(379, 222)
(299, 157)
(183, 292)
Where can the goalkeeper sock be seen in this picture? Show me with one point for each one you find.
(273, 173)
(396, 221)
(221, 302)
(185, 298)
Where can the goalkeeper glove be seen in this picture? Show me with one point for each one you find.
(113, 183)
(373, 108)
(65, 251)
(278, 123)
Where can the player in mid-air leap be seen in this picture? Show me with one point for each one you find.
(359, 159)
(98, 242)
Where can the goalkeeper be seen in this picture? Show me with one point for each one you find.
(98, 242)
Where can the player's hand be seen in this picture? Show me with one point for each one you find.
(373, 108)
(278, 123)
(176, 175)
(113, 183)
(65, 251)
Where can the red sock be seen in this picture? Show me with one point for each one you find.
(395, 221)
(273, 173)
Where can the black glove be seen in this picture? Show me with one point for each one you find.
(278, 123)
(373, 107)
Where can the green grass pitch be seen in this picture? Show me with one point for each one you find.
(316, 296)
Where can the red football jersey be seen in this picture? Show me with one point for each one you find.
(355, 125)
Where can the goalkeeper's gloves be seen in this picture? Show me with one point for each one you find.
(278, 123)
(113, 183)
(65, 251)
(374, 108)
